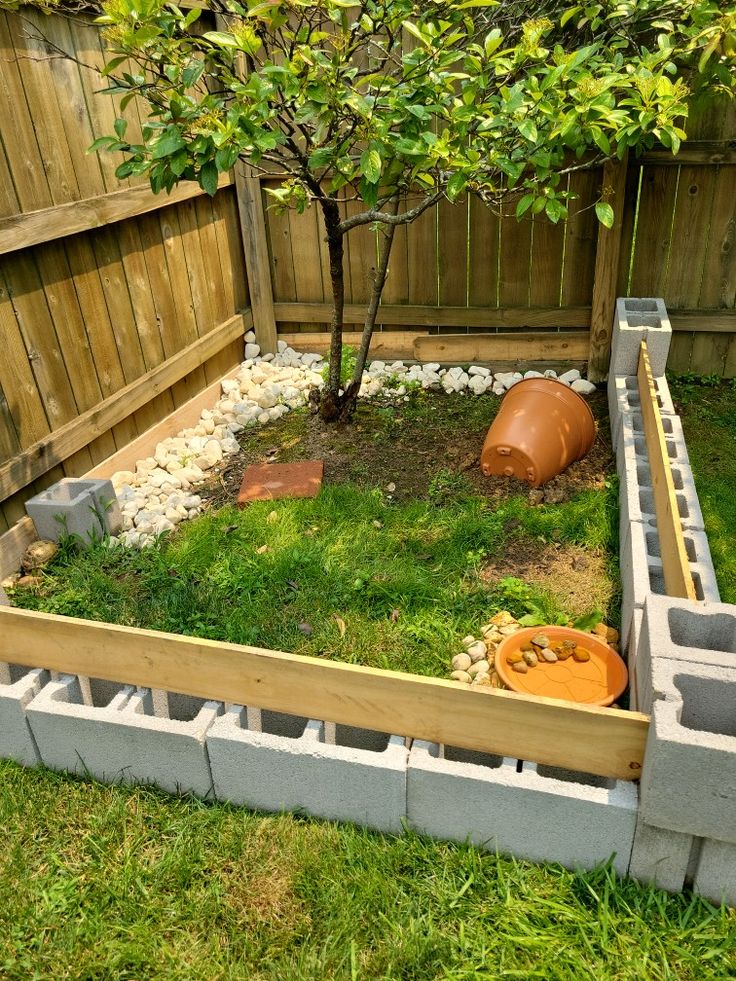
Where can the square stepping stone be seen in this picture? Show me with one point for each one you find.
(270, 481)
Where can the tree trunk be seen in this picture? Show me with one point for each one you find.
(330, 400)
(350, 398)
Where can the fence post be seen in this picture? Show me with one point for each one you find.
(606, 271)
(255, 246)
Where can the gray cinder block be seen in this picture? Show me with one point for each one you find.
(642, 572)
(118, 738)
(636, 494)
(276, 762)
(660, 857)
(624, 397)
(86, 508)
(636, 320)
(688, 780)
(679, 630)
(18, 686)
(715, 877)
(540, 813)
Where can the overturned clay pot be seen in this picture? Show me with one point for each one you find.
(541, 428)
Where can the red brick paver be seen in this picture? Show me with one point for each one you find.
(270, 481)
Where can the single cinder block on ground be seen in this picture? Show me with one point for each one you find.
(541, 813)
(679, 630)
(688, 780)
(660, 857)
(636, 320)
(18, 686)
(715, 876)
(276, 762)
(642, 572)
(118, 739)
(624, 397)
(86, 508)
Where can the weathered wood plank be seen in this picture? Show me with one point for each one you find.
(607, 742)
(67, 439)
(572, 346)
(402, 315)
(34, 227)
(255, 247)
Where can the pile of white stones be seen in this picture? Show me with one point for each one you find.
(159, 494)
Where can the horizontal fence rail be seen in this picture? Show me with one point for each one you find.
(606, 742)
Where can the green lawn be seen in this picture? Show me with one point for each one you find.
(709, 420)
(101, 882)
(106, 882)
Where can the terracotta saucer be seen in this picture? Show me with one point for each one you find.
(599, 681)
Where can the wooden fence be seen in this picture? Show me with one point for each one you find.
(109, 294)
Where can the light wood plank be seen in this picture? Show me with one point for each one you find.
(678, 579)
(608, 254)
(13, 544)
(47, 452)
(393, 344)
(607, 742)
(34, 227)
(514, 348)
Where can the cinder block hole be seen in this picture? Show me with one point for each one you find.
(103, 692)
(65, 493)
(708, 704)
(456, 755)
(375, 742)
(640, 306)
(640, 447)
(704, 631)
(571, 776)
(646, 502)
(281, 724)
(184, 708)
(654, 546)
(656, 582)
(10, 673)
(638, 423)
(649, 320)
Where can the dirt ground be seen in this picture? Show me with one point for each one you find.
(434, 438)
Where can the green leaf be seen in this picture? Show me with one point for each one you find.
(167, 144)
(524, 205)
(208, 178)
(219, 37)
(601, 141)
(528, 130)
(604, 211)
(588, 621)
(531, 620)
(568, 14)
(100, 143)
(456, 185)
(413, 29)
(370, 166)
(226, 157)
(554, 210)
(120, 126)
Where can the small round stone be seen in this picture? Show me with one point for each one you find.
(467, 641)
(38, 554)
(540, 640)
(580, 654)
(481, 681)
(480, 667)
(509, 629)
(530, 658)
(477, 651)
(461, 676)
(461, 662)
(520, 667)
(548, 654)
(514, 657)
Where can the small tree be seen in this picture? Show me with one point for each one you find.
(399, 104)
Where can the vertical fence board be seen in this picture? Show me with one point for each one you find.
(482, 255)
(581, 233)
(452, 252)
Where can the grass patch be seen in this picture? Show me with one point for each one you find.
(404, 577)
(106, 882)
(708, 410)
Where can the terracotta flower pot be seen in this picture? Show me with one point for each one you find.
(541, 428)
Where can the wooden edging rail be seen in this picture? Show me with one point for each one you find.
(606, 742)
(678, 580)
(44, 454)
